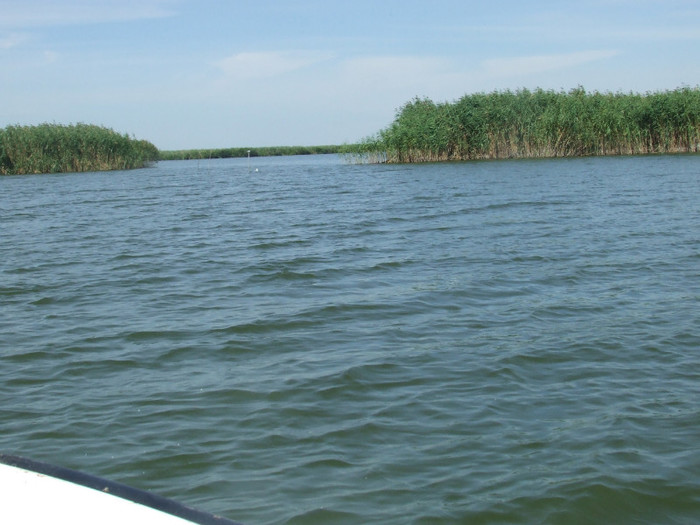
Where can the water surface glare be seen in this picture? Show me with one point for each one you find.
(320, 342)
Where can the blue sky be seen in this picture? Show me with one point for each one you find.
(206, 73)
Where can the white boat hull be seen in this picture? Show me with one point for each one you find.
(35, 492)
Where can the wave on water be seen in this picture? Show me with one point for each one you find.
(496, 342)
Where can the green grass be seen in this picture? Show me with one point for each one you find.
(54, 148)
(523, 123)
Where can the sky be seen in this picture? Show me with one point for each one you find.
(188, 74)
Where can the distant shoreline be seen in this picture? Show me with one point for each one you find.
(226, 153)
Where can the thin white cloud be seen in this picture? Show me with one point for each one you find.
(375, 77)
(657, 33)
(394, 66)
(50, 57)
(41, 13)
(517, 66)
(10, 40)
(268, 64)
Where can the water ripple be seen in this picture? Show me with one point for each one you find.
(486, 342)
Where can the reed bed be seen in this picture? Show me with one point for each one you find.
(523, 123)
(55, 148)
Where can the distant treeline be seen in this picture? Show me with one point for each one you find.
(225, 153)
(523, 123)
(54, 148)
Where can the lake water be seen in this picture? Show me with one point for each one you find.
(320, 342)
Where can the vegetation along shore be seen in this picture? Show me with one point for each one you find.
(497, 125)
(523, 123)
(55, 148)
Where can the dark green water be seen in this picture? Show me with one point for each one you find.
(316, 342)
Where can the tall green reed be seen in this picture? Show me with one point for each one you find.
(54, 148)
(539, 123)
